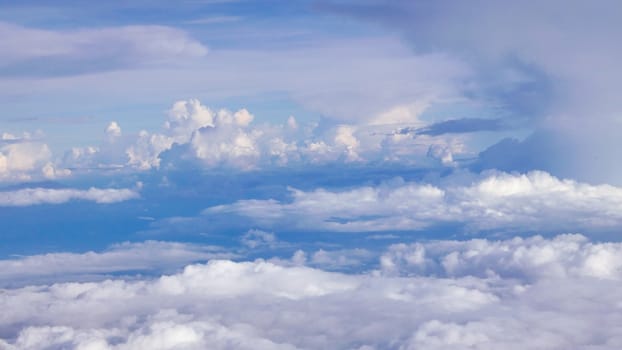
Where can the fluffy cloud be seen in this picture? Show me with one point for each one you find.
(230, 139)
(24, 158)
(262, 305)
(497, 201)
(214, 138)
(192, 132)
(35, 196)
(529, 259)
(113, 130)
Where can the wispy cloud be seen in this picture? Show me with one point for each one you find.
(37, 196)
(215, 20)
(43, 52)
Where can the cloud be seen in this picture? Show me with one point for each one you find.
(541, 76)
(125, 257)
(31, 52)
(528, 259)
(37, 196)
(263, 305)
(328, 80)
(113, 130)
(25, 158)
(222, 138)
(213, 138)
(495, 202)
(257, 238)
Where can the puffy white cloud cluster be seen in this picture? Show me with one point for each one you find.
(263, 305)
(499, 201)
(215, 138)
(531, 259)
(24, 157)
(224, 138)
(34, 196)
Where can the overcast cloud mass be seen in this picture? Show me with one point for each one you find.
(315, 174)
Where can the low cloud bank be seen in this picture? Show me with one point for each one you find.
(495, 201)
(535, 293)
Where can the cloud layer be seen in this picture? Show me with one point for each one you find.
(497, 201)
(35, 196)
(209, 138)
(515, 294)
(126, 257)
(31, 52)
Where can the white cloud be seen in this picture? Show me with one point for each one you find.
(341, 258)
(402, 115)
(95, 49)
(257, 238)
(344, 136)
(124, 257)
(25, 158)
(529, 259)
(227, 138)
(35, 196)
(21, 158)
(497, 201)
(262, 305)
(113, 130)
(214, 138)
(325, 73)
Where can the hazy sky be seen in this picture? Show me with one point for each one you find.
(315, 174)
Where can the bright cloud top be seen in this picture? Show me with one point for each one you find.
(263, 305)
(35, 196)
(232, 139)
(498, 201)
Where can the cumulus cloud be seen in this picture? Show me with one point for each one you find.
(25, 157)
(113, 130)
(36, 196)
(214, 138)
(529, 259)
(220, 138)
(497, 201)
(260, 304)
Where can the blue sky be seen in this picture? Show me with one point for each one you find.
(247, 174)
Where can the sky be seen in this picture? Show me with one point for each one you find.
(312, 174)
